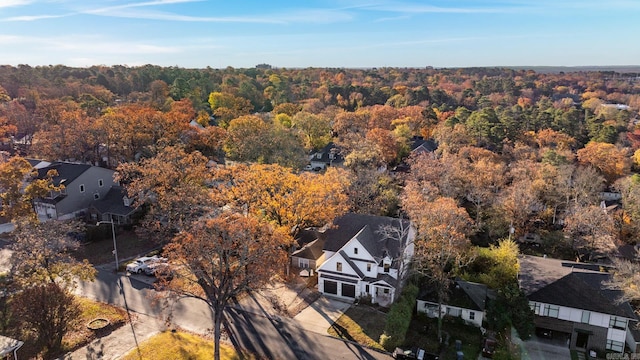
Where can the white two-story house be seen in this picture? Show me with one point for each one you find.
(360, 260)
(573, 305)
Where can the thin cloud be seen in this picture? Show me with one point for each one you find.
(409, 8)
(35, 17)
(12, 3)
(393, 18)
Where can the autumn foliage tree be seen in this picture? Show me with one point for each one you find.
(172, 184)
(18, 188)
(442, 242)
(218, 259)
(43, 253)
(612, 162)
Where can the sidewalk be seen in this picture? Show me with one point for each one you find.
(120, 341)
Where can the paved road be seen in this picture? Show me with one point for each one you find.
(270, 337)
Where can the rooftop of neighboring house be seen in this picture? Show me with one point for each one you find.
(113, 202)
(571, 284)
(367, 227)
(463, 294)
(67, 172)
(329, 154)
(419, 144)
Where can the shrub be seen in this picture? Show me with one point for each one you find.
(399, 319)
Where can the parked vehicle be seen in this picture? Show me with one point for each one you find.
(414, 353)
(489, 347)
(140, 264)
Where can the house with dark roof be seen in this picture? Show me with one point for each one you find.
(574, 305)
(362, 259)
(327, 156)
(467, 301)
(309, 254)
(114, 207)
(82, 185)
(420, 146)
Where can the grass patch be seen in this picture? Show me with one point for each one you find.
(180, 345)
(423, 332)
(361, 324)
(129, 245)
(82, 335)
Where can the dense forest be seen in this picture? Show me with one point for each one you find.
(521, 151)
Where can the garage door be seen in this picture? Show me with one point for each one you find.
(349, 290)
(330, 287)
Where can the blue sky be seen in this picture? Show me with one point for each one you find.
(309, 33)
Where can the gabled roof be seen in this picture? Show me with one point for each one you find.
(67, 172)
(351, 264)
(311, 250)
(325, 154)
(419, 145)
(570, 284)
(463, 294)
(584, 291)
(112, 202)
(367, 228)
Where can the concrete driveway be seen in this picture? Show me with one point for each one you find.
(321, 314)
(542, 349)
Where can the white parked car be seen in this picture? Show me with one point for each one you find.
(140, 264)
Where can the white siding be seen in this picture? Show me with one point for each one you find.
(465, 314)
(617, 335)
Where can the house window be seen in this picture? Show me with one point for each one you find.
(615, 345)
(617, 323)
(453, 311)
(339, 266)
(386, 291)
(387, 267)
(81, 188)
(100, 183)
(368, 267)
(355, 251)
(472, 315)
(303, 263)
(586, 316)
(96, 196)
(535, 307)
(366, 288)
(551, 311)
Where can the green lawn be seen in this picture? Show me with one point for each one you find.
(361, 324)
(180, 345)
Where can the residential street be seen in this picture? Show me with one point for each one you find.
(267, 335)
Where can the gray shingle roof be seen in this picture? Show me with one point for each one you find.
(312, 250)
(367, 228)
(67, 172)
(464, 294)
(570, 284)
(112, 202)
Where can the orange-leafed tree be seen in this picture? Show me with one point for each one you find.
(288, 200)
(218, 259)
(442, 243)
(18, 188)
(612, 162)
(172, 184)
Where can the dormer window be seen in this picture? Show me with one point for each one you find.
(387, 267)
(126, 201)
